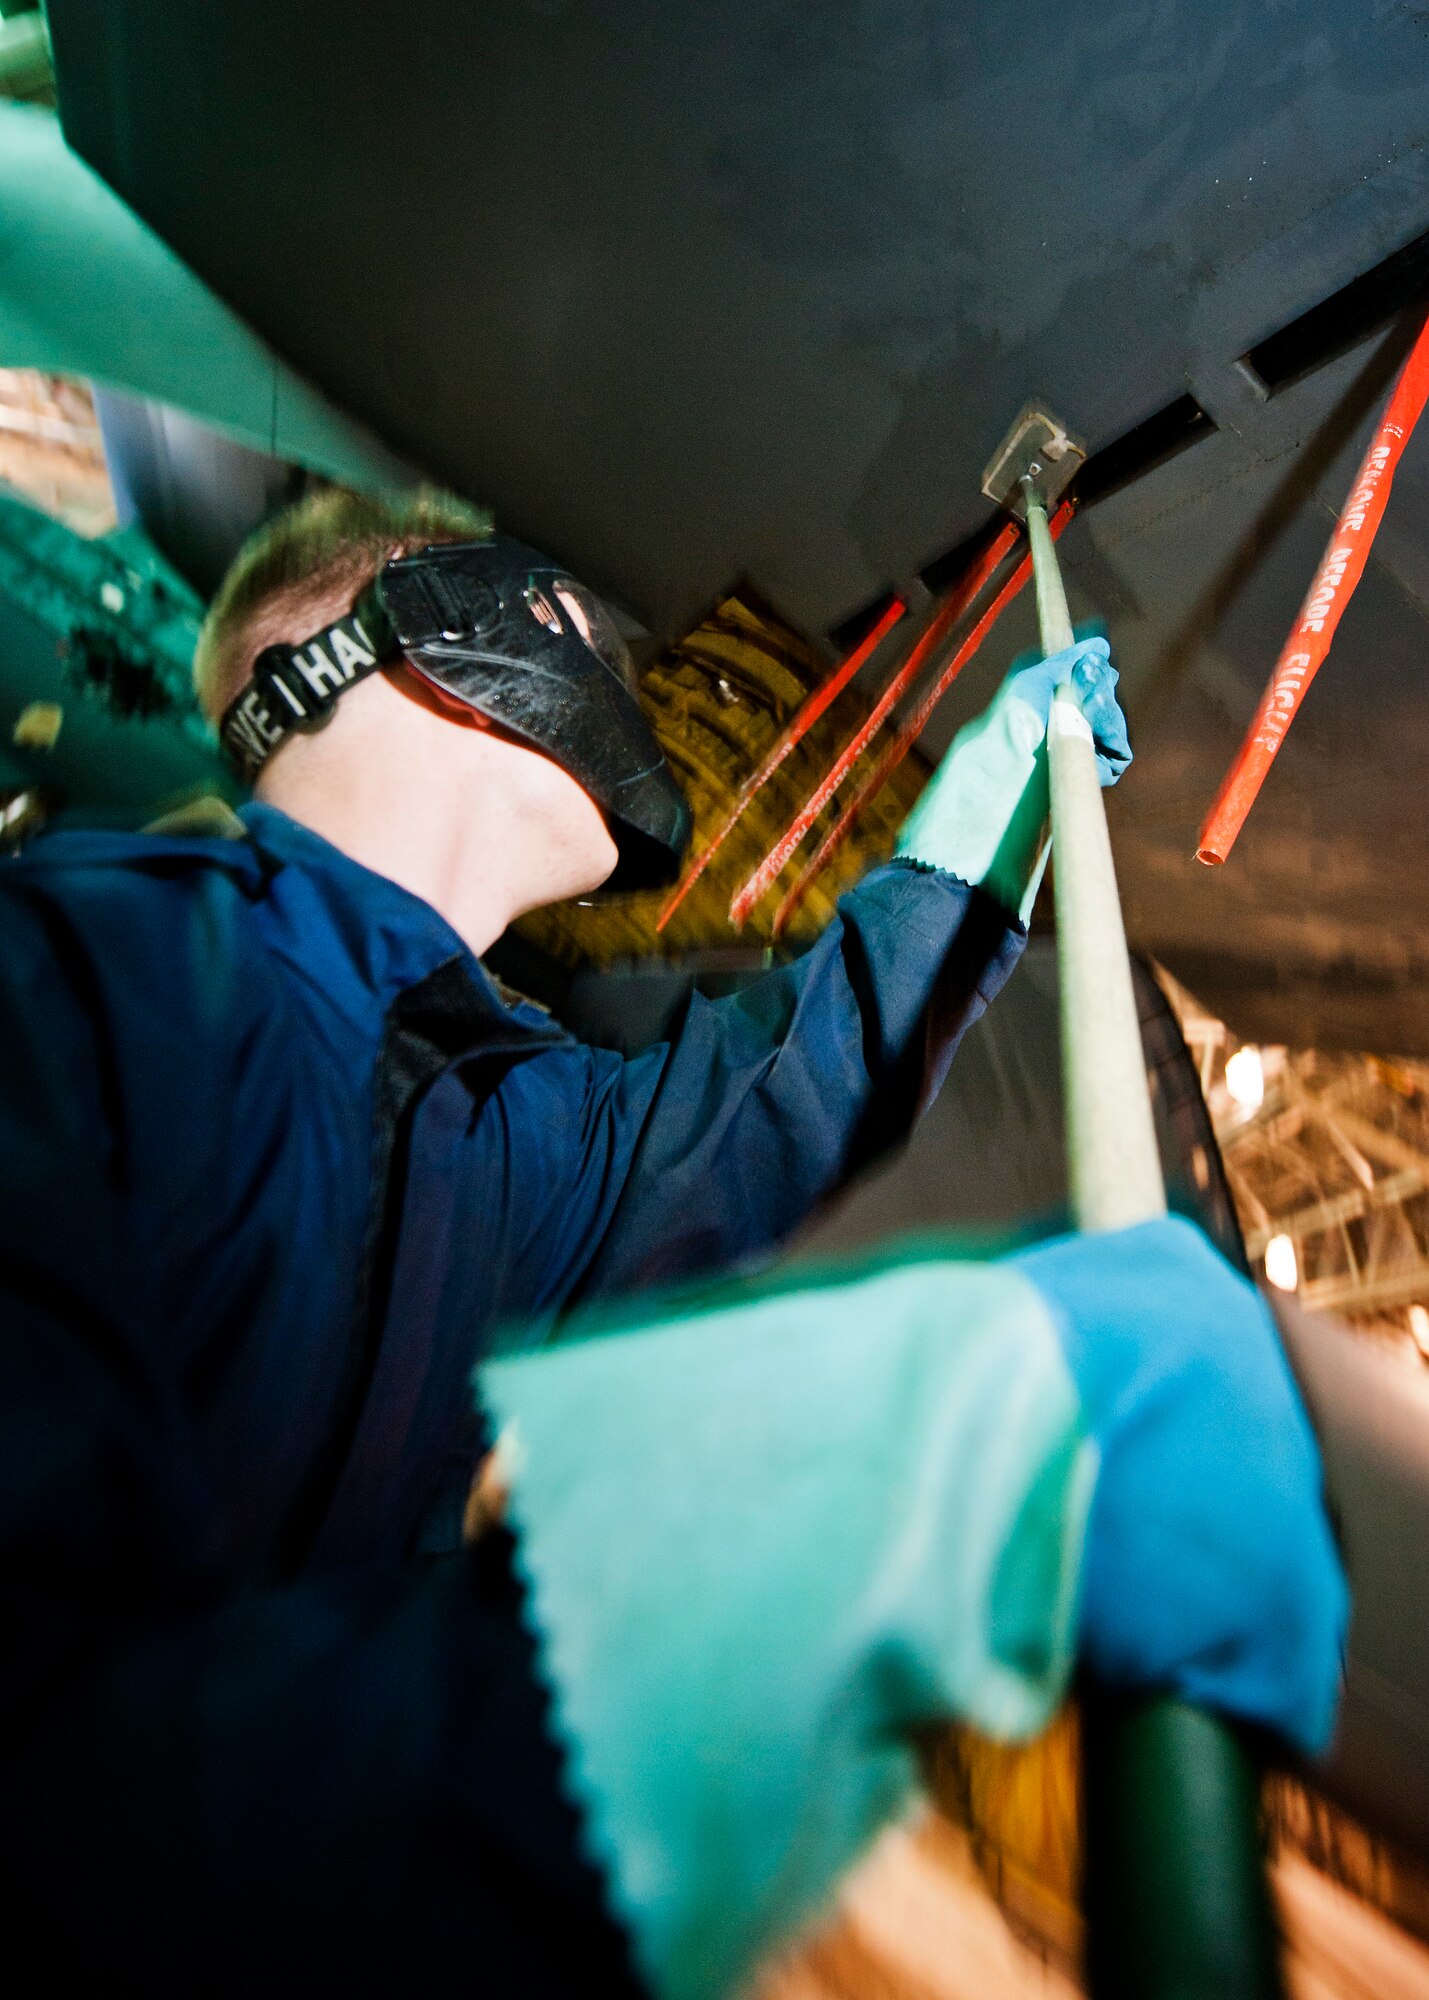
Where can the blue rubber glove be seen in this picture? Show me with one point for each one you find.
(983, 814)
(1210, 1568)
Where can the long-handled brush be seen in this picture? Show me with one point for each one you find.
(1175, 1890)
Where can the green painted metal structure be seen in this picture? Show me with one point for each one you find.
(106, 630)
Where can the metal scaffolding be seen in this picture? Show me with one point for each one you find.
(1327, 1154)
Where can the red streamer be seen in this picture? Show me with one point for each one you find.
(908, 735)
(1340, 570)
(941, 623)
(798, 728)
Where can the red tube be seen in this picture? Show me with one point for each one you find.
(908, 735)
(941, 623)
(797, 729)
(1334, 585)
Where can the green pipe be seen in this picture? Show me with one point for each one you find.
(1175, 1897)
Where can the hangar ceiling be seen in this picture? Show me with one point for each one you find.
(752, 294)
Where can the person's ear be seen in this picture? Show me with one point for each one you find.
(416, 687)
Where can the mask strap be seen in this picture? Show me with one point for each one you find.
(296, 688)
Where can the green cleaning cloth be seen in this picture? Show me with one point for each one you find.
(764, 1542)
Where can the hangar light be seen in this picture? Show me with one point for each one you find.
(1281, 1266)
(1245, 1078)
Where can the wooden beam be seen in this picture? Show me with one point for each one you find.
(1346, 1292)
(1335, 1209)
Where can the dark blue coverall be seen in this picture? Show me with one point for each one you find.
(278, 1163)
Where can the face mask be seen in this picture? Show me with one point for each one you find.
(497, 628)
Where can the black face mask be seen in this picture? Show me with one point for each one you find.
(500, 629)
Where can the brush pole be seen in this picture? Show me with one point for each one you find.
(1175, 1894)
(1111, 1138)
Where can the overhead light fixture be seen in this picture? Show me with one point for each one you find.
(1245, 1078)
(1282, 1267)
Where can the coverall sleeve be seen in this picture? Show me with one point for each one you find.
(711, 1148)
(214, 1783)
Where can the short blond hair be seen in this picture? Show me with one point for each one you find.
(304, 567)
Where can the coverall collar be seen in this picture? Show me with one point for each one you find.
(392, 938)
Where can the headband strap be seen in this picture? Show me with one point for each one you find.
(296, 688)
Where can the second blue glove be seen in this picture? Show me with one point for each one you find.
(1210, 1570)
